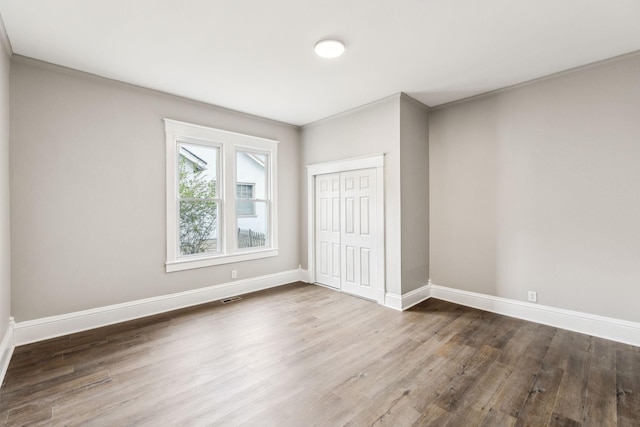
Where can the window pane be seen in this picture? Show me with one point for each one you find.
(198, 171)
(251, 170)
(198, 227)
(253, 231)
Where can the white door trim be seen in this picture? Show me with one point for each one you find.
(374, 161)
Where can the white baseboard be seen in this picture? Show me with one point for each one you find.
(6, 349)
(393, 301)
(40, 329)
(415, 297)
(55, 326)
(408, 300)
(305, 275)
(590, 324)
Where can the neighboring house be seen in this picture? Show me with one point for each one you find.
(194, 163)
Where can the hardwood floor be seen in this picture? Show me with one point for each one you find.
(302, 355)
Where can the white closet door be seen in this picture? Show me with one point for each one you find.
(357, 236)
(327, 229)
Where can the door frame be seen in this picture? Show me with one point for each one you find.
(367, 162)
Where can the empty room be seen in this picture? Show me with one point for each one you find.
(305, 213)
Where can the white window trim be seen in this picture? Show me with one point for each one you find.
(228, 142)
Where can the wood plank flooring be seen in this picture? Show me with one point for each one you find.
(302, 355)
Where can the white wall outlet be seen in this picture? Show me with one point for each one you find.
(234, 274)
(532, 296)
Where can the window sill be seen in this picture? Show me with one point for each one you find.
(188, 264)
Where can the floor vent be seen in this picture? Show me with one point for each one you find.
(232, 299)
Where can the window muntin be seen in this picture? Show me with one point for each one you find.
(207, 201)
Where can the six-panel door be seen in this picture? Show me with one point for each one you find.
(327, 201)
(357, 237)
(345, 231)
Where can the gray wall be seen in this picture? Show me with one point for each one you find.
(397, 126)
(371, 129)
(414, 177)
(538, 188)
(88, 191)
(5, 241)
(532, 188)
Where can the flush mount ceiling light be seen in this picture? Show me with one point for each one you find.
(329, 48)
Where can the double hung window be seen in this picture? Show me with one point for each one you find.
(221, 198)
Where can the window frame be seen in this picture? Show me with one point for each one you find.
(228, 144)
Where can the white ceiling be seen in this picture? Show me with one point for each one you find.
(256, 56)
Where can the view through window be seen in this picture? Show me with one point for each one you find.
(221, 198)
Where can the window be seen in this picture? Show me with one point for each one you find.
(221, 199)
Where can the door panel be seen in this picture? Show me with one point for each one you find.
(364, 216)
(335, 264)
(327, 229)
(364, 262)
(357, 242)
(349, 219)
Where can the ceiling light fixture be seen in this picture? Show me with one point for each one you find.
(329, 48)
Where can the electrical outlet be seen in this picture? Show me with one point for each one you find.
(532, 296)
(234, 274)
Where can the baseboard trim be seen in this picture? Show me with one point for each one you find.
(415, 297)
(600, 326)
(22, 333)
(393, 301)
(408, 300)
(6, 349)
(50, 327)
(305, 275)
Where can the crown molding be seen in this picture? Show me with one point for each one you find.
(551, 76)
